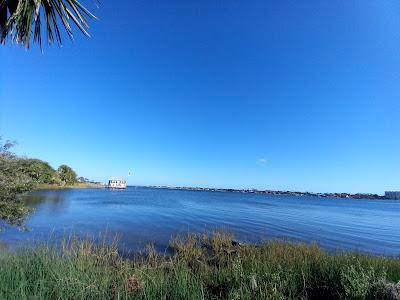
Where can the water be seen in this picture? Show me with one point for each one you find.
(144, 215)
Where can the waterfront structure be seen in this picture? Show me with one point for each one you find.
(392, 195)
(116, 183)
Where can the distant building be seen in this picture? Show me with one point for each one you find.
(117, 183)
(392, 195)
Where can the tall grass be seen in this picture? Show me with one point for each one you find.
(198, 267)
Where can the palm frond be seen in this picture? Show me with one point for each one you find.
(3, 17)
(20, 18)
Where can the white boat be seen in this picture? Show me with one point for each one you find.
(116, 183)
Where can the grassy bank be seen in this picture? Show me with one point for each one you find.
(77, 185)
(199, 267)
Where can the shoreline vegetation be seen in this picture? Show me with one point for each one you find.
(203, 266)
(272, 192)
(19, 175)
(207, 266)
(78, 185)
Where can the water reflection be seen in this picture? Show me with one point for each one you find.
(53, 200)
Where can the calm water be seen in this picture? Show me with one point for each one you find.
(144, 215)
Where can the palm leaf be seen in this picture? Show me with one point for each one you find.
(3, 17)
(20, 18)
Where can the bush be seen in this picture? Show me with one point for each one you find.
(13, 182)
(361, 283)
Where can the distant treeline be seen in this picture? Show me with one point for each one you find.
(20, 174)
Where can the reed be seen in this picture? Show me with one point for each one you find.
(197, 267)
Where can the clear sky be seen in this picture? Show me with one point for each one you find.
(298, 95)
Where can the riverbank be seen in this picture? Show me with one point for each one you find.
(69, 186)
(197, 267)
(20, 175)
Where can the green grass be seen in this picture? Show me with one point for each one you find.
(199, 267)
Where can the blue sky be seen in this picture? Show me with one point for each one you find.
(298, 95)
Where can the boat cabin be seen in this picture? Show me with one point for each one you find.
(117, 184)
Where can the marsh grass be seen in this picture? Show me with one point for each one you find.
(197, 267)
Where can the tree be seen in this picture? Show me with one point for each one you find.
(20, 18)
(13, 183)
(40, 171)
(67, 175)
(82, 179)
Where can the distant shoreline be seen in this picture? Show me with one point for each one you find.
(245, 191)
(271, 192)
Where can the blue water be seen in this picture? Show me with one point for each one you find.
(140, 216)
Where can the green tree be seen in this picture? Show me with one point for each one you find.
(67, 175)
(19, 19)
(82, 179)
(13, 183)
(40, 171)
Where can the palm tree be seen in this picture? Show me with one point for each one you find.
(19, 19)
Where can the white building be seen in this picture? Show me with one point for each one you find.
(117, 183)
(392, 195)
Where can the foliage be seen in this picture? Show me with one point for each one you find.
(82, 179)
(357, 281)
(20, 18)
(67, 175)
(197, 267)
(13, 182)
(40, 171)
